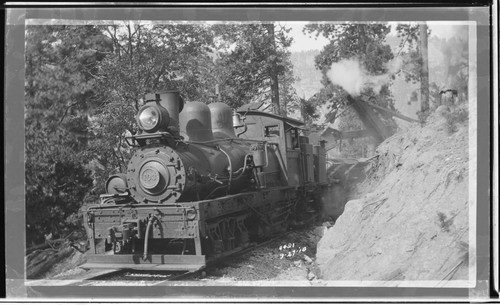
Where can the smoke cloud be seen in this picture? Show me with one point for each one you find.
(353, 78)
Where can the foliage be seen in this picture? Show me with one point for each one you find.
(60, 61)
(415, 66)
(307, 108)
(151, 58)
(408, 51)
(334, 97)
(246, 60)
(362, 41)
(409, 33)
(454, 118)
(287, 94)
(56, 184)
(310, 109)
(58, 92)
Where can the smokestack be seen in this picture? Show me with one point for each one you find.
(173, 102)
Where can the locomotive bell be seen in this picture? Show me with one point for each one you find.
(237, 122)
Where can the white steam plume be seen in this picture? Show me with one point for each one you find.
(350, 75)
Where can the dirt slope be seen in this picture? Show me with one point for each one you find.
(410, 218)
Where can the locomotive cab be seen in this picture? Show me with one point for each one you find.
(302, 162)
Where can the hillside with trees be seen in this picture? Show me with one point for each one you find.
(85, 84)
(307, 76)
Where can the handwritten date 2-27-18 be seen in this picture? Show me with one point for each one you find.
(290, 250)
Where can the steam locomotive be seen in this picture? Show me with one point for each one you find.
(204, 182)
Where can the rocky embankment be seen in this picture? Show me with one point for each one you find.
(410, 221)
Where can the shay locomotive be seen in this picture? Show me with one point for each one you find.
(204, 182)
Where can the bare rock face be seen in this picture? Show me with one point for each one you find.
(411, 219)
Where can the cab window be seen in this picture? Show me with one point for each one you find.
(271, 131)
(292, 138)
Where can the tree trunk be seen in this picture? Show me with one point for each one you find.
(39, 262)
(304, 115)
(273, 75)
(45, 245)
(424, 77)
(284, 97)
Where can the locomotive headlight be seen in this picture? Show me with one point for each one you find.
(149, 118)
(152, 117)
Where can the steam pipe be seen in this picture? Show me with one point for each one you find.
(244, 168)
(239, 176)
(230, 168)
(281, 162)
(226, 139)
(213, 191)
(146, 238)
(267, 157)
(244, 130)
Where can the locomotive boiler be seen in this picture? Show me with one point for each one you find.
(203, 182)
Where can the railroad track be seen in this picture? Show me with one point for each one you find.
(144, 277)
(159, 278)
(124, 277)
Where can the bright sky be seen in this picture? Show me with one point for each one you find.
(301, 41)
